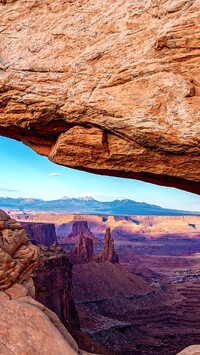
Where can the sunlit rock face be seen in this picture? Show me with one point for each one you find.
(111, 87)
(108, 253)
(83, 252)
(18, 257)
(191, 350)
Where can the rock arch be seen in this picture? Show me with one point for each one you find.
(111, 88)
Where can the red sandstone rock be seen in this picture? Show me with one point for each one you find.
(53, 289)
(83, 252)
(53, 284)
(140, 312)
(18, 257)
(191, 350)
(20, 315)
(108, 253)
(25, 319)
(79, 227)
(41, 233)
(123, 226)
(111, 87)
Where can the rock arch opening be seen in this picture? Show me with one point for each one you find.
(111, 88)
(146, 260)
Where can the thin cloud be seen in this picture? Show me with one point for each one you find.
(55, 174)
(5, 189)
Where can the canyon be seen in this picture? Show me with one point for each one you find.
(168, 235)
(150, 308)
(83, 252)
(111, 88)
(53, 284)
(148, 303)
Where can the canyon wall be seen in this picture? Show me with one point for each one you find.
(53, 284)
(41, 233)
(21, 315)
(107, 87)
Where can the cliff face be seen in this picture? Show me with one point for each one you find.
(53, 284)
(20, 314)
(107, 87)
(41, 233)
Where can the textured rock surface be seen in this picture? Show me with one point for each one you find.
(18, 257)
(53, 284)
(34, 328)
(109, 87)
(108, 253)
(191, 350)
(27, 321)
(41, 233)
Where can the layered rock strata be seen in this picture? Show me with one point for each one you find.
(20, 314)
(107, 87)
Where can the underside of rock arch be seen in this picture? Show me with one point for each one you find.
(107, 87)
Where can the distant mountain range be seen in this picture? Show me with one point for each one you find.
(88, 205)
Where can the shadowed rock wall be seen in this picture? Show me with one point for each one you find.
(41, 233)
(53, 283)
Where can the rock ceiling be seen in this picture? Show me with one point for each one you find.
(107, 87)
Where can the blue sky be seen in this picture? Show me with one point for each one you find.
(26, 174)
